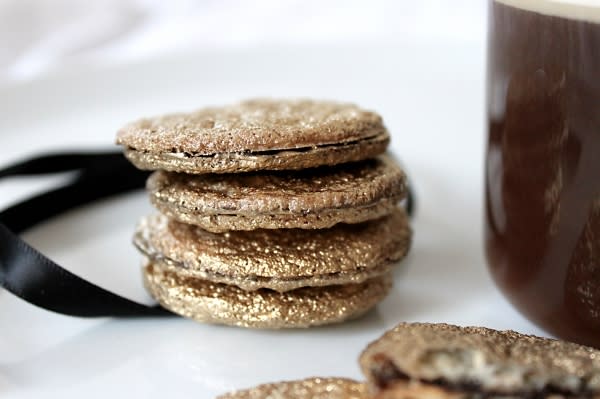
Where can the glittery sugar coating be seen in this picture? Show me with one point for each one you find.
(251, 126)
(314, 269)
(255, 135)
(310, 388)
(226, 304)
(278, 259)
(314, 198)
(492, 361)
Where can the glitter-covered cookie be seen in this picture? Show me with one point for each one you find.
(210, 302)
(416, 360)
(311, 199)
(255, 135)
(310, 388)
(277, 259)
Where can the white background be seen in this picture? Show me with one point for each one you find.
(36, 35)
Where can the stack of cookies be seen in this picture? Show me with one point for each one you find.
(273, 214)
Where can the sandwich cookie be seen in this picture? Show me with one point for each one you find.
(310, 388)
(210, 302)
(255, 135)
(309, 199)
(422, 360)
(280, 260)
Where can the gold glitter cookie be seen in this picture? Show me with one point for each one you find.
(255, 135)
(310, 388)
(418, 390)
(210, 302)
(281, 260)
(311, 199)
(441, 360)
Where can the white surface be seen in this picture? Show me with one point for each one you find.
(432, 98)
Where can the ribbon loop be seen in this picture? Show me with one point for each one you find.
(33, 277)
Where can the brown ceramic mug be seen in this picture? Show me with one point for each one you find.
(543, 162)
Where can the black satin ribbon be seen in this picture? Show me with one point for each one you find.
(33, 277)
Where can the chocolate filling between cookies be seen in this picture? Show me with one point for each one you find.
(252, 280)
(386, 375)
(187, 154)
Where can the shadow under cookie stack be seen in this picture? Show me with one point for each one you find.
(273, 213)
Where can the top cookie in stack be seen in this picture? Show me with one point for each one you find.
(255, 135)
(274, 213)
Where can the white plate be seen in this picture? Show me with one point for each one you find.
(432, 98)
